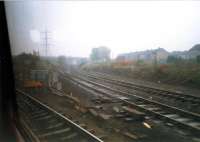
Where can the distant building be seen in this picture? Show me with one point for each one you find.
(54, 80)
(100, 54)
(188, 54)
(39, 75)
(36, 53)
(148, 55)
(76, 61)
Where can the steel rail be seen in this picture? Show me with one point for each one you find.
(181, 96)
(194, 117)
(82, 133)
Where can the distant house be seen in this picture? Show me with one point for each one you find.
(188, 54)
(148, 55)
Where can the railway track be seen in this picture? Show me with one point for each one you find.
(178, 117)
(188, 102)
(177, 95)
(46, 124)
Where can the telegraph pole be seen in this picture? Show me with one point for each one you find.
(45, 39)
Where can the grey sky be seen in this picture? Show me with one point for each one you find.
(77, 27)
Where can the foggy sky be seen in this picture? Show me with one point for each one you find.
(77, 27)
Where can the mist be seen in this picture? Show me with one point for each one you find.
(76, 27)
